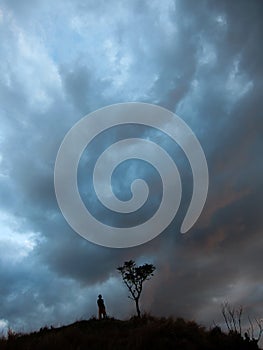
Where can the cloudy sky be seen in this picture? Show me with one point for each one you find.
(60, 60)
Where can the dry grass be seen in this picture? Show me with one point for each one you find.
(145, 333)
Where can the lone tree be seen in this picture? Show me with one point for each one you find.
(134, 276)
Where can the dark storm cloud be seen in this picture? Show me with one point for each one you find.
(202, 60)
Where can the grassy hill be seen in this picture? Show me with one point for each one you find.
(145, 333)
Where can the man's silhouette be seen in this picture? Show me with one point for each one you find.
(101, 306)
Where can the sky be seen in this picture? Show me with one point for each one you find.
(62, 60)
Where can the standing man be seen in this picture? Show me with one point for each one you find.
(102, 309)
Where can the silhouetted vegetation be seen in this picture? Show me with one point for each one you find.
(146, 332)
(234, 323)
(134, 276)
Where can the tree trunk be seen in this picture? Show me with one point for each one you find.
(137, 308)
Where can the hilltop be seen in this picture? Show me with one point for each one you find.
(111, 334)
